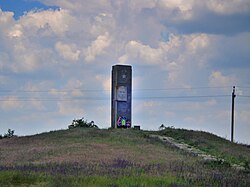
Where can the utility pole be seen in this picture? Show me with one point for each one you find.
(232, 119)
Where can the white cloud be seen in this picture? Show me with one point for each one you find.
(102, 23)
(64, 4)
(196, 43)
(148, 34)
(9, 103)
(20, 51)
(144, 52)
(25, 62)
(229, 6)
(97, 47)
(72, 88)
(58, 21)
(217, 79)
(142, 4)
(79, 5)
(146, 108)
(70, 108)
(75, 87)
(35, 104)
(178, 57)
(16, 31)
(105, 82)
(67, 51)
(181, 9)
(6, 18)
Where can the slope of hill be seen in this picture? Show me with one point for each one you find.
(232, 153)
(119, 157)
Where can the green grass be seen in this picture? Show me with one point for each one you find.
(14, 178)
(24, 179)
(117, 157)
(232, 153)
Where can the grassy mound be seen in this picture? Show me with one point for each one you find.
(115, 157)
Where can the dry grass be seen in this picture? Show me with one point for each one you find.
(116, 154)
(84, 145)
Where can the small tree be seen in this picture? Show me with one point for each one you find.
(162, 127)
(82, 123)
(9, 134)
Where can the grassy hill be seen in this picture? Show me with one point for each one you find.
(120, 157)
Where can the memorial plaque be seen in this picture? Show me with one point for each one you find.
(121, 96)
(121, 93)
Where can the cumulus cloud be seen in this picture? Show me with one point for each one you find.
(170, 44)
(67, 51)
(58, 21)
(16, 31)
(180, 9)
(213, 16)
(10, 103)
(144, 52)
(6, 18)
(97, 47)
(70, 108)
(178, 57)
(105, 82)
(229, 7)
(23, 43)
(218, 79)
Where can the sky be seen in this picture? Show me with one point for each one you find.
(56, 58)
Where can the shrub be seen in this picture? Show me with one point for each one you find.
(82, 123)
(9, 134)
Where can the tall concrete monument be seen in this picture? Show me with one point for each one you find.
(121, 96)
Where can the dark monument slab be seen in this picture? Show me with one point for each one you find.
(121, 96)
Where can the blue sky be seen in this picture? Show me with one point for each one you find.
(56, 60)
(19, 7)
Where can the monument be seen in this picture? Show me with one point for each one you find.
(121, 96)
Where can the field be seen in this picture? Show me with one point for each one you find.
(120, 157)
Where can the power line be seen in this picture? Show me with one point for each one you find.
(71, 98)
(106, 98)
(243, 95)
(184, 97)
(53, 99)
(105, 90)
(179, 88)
(247, 87)
(50, 91)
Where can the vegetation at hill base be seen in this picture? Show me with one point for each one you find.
(119, 157)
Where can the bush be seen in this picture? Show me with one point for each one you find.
(82, 123)
(9, 134)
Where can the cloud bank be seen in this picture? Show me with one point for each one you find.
(55, 64)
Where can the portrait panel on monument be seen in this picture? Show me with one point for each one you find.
(121, 93)
(122, 108)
